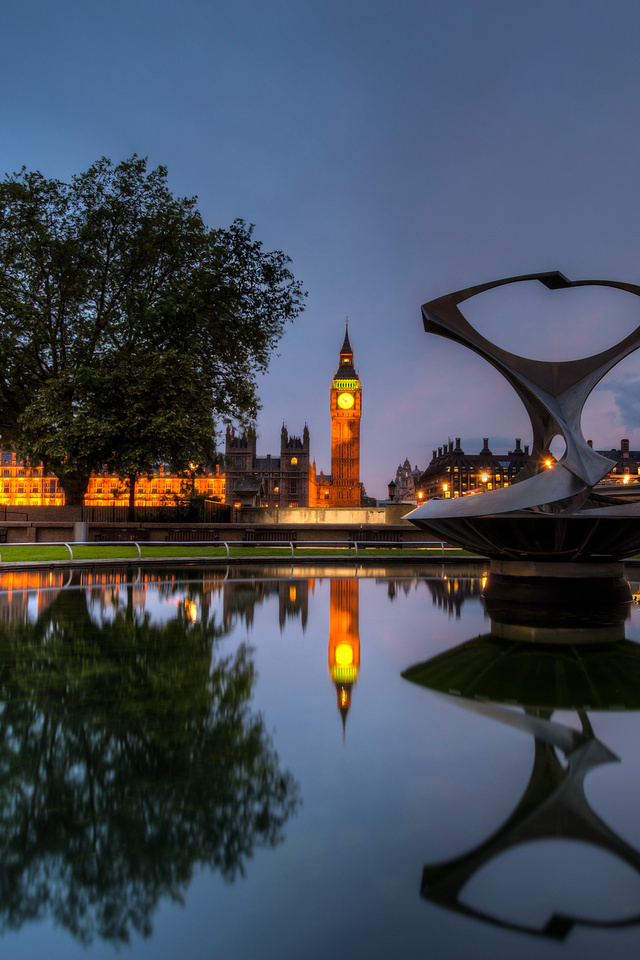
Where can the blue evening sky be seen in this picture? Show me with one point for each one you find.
(395, 151)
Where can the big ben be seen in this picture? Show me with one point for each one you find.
(346, 410)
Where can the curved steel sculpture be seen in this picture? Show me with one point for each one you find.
(546, 513)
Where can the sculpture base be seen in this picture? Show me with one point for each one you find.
(568, 584)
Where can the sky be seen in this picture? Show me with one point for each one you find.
(395, 152)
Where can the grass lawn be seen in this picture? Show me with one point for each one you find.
(44, 552)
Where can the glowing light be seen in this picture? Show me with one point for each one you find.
(548, 463)
(344, 655)
(191, 609)
(625, 479)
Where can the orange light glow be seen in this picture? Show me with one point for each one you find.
(191, 609)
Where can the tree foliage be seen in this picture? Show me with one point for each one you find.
(127, 327)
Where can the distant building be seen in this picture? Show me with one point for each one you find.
(406, 481)
(23, 485)
(287, 480)
(343, 487)
(454, 473)
(290, 479)
(627, 468)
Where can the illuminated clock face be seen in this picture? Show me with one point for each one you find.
(346, 400)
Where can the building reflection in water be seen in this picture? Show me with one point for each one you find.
(344, 642)
(240, 598)
(535, 679)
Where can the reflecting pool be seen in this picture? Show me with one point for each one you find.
(236, 762)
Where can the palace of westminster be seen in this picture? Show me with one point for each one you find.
(290, 479)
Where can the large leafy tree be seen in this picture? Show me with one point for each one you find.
(127, 327)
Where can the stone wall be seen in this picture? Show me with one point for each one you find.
(392, 513)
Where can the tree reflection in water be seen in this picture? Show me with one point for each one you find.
(129, 756)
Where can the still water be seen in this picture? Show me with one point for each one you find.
(239, 763)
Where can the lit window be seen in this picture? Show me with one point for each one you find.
(294, 461)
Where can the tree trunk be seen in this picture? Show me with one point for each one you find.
(131, 513)
(74, 488)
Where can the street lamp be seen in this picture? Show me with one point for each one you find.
(392, 489)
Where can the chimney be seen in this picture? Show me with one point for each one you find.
(450, 446)
(624, 446)
(526, 449)
(517, 449)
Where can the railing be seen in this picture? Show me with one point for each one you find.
(345, 545)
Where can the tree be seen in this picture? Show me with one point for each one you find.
(127, 327)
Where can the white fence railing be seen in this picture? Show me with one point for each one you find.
(347, 545)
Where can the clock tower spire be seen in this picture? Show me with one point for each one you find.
(346, 410)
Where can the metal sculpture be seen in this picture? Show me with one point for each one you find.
(513, 522)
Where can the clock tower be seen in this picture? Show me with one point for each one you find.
(346, 409)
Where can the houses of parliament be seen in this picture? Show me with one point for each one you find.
(289, 479)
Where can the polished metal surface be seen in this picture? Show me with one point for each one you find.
(545, 512)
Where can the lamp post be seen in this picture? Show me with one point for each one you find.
(392, 490)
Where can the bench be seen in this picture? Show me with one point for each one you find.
(370, 538)
(252, 537)
(185, 536)
(122, 534)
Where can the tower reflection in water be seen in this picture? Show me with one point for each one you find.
(344, 642)
(521, 684)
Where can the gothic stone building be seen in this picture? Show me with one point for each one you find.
(284, 481)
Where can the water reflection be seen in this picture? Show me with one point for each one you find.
(484, 675)
(134, 751)
(129, 755)
(344, 642)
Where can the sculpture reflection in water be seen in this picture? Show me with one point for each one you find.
(485, 674)
(129, 755)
